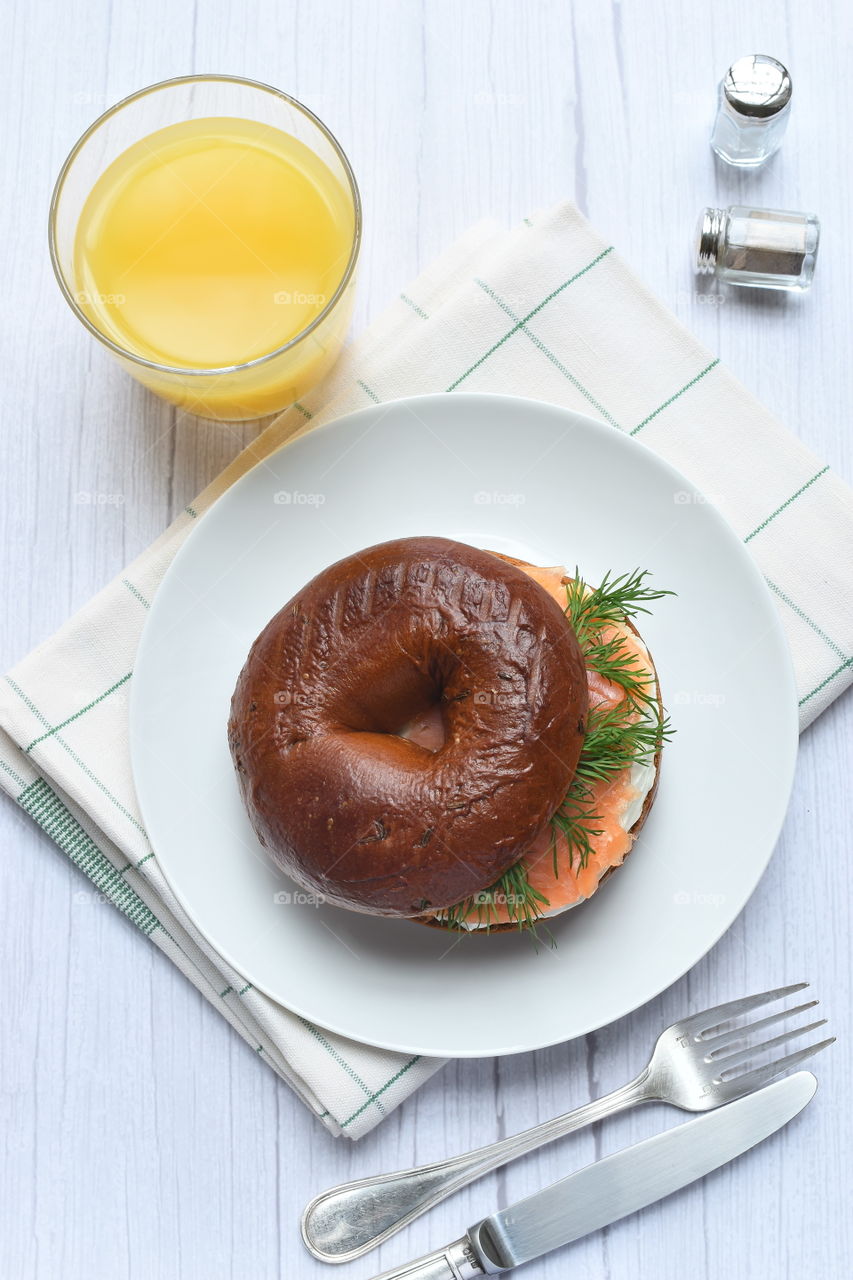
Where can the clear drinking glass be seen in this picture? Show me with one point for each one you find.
(232, 388)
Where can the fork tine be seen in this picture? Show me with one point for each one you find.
(752, 1079)
(744, 1055)
(716, 1044)
(710, 1019)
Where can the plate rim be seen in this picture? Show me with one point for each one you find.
(135, 736)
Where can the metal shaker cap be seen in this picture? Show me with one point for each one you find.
(709, 237)
(757, 86)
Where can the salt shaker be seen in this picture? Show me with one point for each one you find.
(764, 248)
(752, 112)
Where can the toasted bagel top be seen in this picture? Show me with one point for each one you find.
(342, 799)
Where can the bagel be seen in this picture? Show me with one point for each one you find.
(339, 791)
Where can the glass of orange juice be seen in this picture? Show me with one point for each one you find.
(206, 230)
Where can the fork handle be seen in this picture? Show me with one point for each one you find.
(345, 1222)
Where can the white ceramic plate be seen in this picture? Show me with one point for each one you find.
(550, 486)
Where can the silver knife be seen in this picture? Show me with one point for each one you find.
(613, 1187)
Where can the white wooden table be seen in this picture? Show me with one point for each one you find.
(141, 1138)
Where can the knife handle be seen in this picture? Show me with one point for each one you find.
(346, 1221)
(455, 1261)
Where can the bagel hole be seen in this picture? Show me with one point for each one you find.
(426, 729)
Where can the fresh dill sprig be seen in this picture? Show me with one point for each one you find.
(617, 665)
(589, 609)
(575, 819)
(613, 742)
(524, 904)
(615, 738)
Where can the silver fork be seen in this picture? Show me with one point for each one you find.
(698, 1063)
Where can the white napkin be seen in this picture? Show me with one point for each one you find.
(548, 311)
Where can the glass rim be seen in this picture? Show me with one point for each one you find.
(123, 352)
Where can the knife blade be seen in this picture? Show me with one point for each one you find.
(614, 1187)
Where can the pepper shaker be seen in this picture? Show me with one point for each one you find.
(764, 248)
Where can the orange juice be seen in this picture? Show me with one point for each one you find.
(213, 243)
